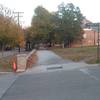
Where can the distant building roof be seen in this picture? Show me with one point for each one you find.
(84, 22)
(87, 29)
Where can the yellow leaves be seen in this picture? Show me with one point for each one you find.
(21, 40)
(11, 33)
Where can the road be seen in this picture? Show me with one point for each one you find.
(57, 83)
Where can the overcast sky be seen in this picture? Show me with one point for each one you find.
(89, 8)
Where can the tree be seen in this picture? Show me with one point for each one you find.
(42, 23)
(29, 38)
(70, 20)
(63, 26)
(10, 33)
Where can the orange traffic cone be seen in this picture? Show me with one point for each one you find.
(14, 66)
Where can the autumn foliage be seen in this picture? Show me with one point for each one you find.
(10, 33)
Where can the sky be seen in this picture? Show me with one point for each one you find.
(89, 8)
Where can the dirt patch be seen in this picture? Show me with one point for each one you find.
(6, 64)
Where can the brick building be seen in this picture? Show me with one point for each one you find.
(90, 38)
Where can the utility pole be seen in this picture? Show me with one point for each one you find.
(18, 15)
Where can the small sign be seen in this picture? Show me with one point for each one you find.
(92, 24)
(21, 62)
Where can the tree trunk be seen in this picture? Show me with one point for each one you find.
(3, 50)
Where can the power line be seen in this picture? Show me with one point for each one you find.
(18, 15)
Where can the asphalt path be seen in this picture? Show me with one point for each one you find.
(46, 57)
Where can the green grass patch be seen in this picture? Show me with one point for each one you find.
(5, 64)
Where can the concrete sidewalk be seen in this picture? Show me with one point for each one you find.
(59, 67)
(6, 80)
(48, 61)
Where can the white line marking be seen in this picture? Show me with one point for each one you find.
(94, 77)
(86, 71)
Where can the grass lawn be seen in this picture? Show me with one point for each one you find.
(5, 64)
(87, 54)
